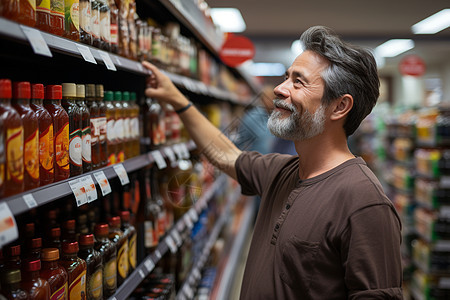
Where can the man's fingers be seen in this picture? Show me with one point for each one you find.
(150, 67)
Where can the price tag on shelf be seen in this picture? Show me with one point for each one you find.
(177, 238)
(36, 41)
(86, 53)
(149, 264)
(103, 182)
(121, 173)
(170, 154)
(8, 225)
(118, 62)
(157, 254)
(445, 182)
(169, 241)
(188, 292)
(141, 273)
(78, 191)
(197, 274)
(30, 201)
(188, 221)
(178, 151)
(89, 187)
(184, 151)
(159, 159)
(193, 214)
(107, 60)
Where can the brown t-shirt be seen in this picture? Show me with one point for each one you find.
(334, 236)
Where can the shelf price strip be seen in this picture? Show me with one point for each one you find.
(36, 40)
(29, 201)
(8, 225)
(103, 182)
(89, 187)
(107, 60)
(122, 174)
(159, 159)
(78, 191)
(86, 53)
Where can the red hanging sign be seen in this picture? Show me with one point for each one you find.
(236, 50)
(412, 65)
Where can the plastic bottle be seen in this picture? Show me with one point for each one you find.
(57, 17)
(85, 22)
(110, 129)
(55, 274)
(46, 155)
(76, 271)
(130, 233)
(43, 15)
(95, 23)
(21, 103)
(108, 252)
(12, 288)
(13, 134)
(114, 27)
(52, 103)
(95, 129)
(94, 275)
(85, 129)
(126, 113)
(36, 287)
(71, 19)
(117, 236)
(99, 95)
(105, 25)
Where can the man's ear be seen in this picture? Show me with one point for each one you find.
(342, 107)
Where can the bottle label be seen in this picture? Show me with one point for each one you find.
(46, 149)
(110, 274)
(62, 147)
(77, 288)
(31, 155)
(126, 128)
(2, 158)
(75, 147)
(72, 14)
(32, 4)
(95, 23)
(112, 159)
(114, 34)
(14, 154)
(122, 260)
(132, 251)
(110, 131)
(95, 285)
(134, 127)
(85, 16)
(103, 129)
(86, 144)
(118, 129)
(120, 156)
(60, 293)
(44, 6)
(105, 21)
(57, 7)
(95, 130)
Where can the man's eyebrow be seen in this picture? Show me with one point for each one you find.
(297, 74)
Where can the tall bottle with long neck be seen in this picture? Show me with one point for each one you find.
(110, 129)
(95, 125)
(85, 129)
(108, 251)
(102, 121)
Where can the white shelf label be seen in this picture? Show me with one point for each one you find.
(177, 238)
(30, 201)
(78, 191)
(184, 151)
(188, 292)
(118, 62)
(8, 226)
(169, 241)
(122, 173)
(86, 53)
(140, 67)
(89, 187)
(158, 254)
(170, 154)
(178, 151)
(193, 214)
(159, 159)
(36, 40)
(188, 221)
(141, 273)
(149, 264)
(197, 274)
(107, 60)
(103, 182)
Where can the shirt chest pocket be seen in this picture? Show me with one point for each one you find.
(298, 263)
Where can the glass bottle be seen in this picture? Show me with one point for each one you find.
(124, 37)
(114, 26)
(108, 252)
(152, 212)
(46, 156)
(130, 233)
(118, 126)
(117, 236)
(76, 270)
(21, 103)
(94, 275)
(85, 130)
(27, 12)
(43, 15)
(95, 129)
(95, 23)
(99, 95)
(54, 273)
(36, 287)
(110, 130)
(13, 136)
(85, 22)
(132, 32)
(60, 119)
(68, 231)
(54, 239)
(34, 247)
(105, 25)
(158, 200)
(12, 259)
(12, 289)
(126, 112)
(57, 17)
(71, 20)
(134, 125)
(69, 91)
(157, 125)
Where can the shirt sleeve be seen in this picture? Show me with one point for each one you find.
(371, 254)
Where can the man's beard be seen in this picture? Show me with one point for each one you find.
(296, 127)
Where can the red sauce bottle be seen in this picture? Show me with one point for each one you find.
(43, 15)
(57, 17)
(76, 270)
(21, 103)
(36, 287)
(27, 12)
(60, 119)
(55, 274)
(46, 154)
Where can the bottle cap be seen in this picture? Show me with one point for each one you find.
(37, 91)
(125, 216)
(34, 265)
(30, 229)
(114, 221)
(81, 91)
(99, 91)
(101, 229)
(126, 96)
(36, 243)
(13, 276)
(86, 239)
(21, 90)
(5, 89)
(133, 96)
(69, 90)
(50, 254)
(69, 224)
(90, 90)
(52, 214)
(108, 96)
(14, 250)
(70, 248)
(55, 232)
(117, 96)
(53, 92)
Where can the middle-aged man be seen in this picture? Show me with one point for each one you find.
(325, 228)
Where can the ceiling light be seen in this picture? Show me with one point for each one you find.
(267, 69)
(394, 47)
(297, 47)
(228, 19)
(435, 23)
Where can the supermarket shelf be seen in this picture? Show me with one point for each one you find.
(170, 242)
(21, 203)
(417, 294)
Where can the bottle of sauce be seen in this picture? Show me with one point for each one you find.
(152, 212)
(54, 239)
(2, 159)
(134, 125)
(124, 37)
(13, 261)
(95, 128)
(114, 27)
(85, 22)
(99, 95)
(69, 95)
(118, 126)
(105, 25)
(110, 130)
(21, 103)
(57, 17)
(46, 156)
(60, 119)
(69, 231)
(130, 234)
(94, 274)
(27, 12)
(13, 133)
(85, 129)
(12, 289)
(108, 252)
(117, 236)
(95, 23)
(36, 287)
(71, 19)
(54, 273)
(126, 113)
(43, 15)
(76, 270)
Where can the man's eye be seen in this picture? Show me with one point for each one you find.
(299, 81)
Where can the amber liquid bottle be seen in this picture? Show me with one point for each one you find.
(60, 119)
(110, 128)
(85, 22)
(27, 12)
(69, 95)
(12, 289)
(85, 129)
(57, 17)
(117, 236)
(127, 136)
(99, 98)
(13, 135)
(94, 274)
(134, 125)
(95, 128)
(95, 23)
(119, 127)
(21, 103)
(76, 270)
(71, 19)
(55, 274)
(36, 287)
(46, 155)
(43, 15)
(108, 252)
(131, 235)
